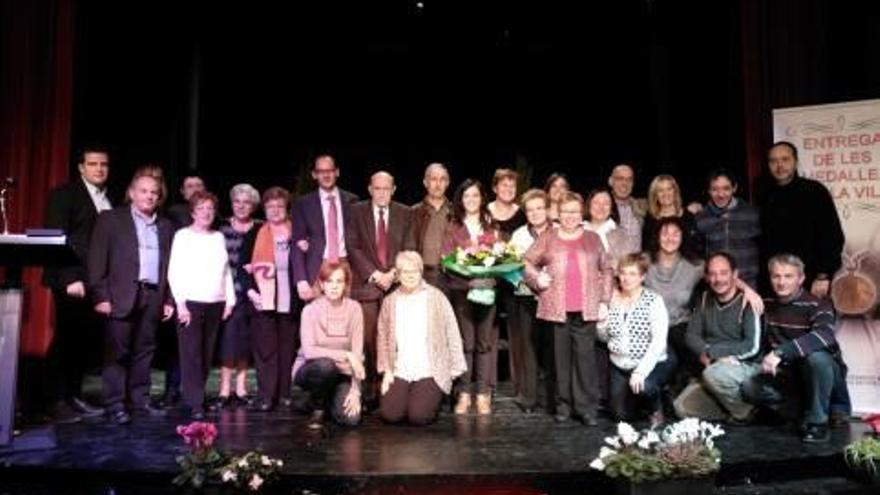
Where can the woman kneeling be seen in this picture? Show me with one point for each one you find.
(419, 350)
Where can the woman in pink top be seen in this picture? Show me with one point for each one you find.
(330, 360)
(571, 271)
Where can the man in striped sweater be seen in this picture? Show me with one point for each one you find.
(804, 359)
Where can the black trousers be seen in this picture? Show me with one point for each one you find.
(129, 344)
(196, 342)
(75, 347)
(328, 388)
(523, 332)
(414, 402)
(275, 342)
(577, 384)
(475, 322)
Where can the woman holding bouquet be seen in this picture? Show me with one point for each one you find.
(330, 363)
(470, 228)
(571, 271)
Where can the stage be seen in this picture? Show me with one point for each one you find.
(509, 452)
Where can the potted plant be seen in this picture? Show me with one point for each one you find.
(680, 459)
(863, 455)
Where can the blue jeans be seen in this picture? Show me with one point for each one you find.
(624, 403)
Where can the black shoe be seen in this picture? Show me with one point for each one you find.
(286, 403)
(262, 406)
(221, 402)
(84, 408)
(816, 434)
(197, 414)
(242, 400)
(119, 417)
(561, 417)
(316, 420)
(63, 414)
(169, 400)
(148, 410)
(588, 421)
(838, 418)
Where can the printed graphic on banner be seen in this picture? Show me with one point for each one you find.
(839, 146)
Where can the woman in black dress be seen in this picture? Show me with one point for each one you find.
(234, 348)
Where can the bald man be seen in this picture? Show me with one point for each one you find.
(377, 232)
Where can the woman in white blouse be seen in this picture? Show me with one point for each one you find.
(635, 331)
(201, 283)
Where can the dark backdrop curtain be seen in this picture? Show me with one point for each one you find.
(36, 83)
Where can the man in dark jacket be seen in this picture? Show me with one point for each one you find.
(74, 208)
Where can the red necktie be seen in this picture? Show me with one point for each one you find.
(382, 239)
(332, 230)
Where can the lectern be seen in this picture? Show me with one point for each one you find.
(16, 252)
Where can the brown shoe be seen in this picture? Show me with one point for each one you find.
(484, 404)
(464, 403)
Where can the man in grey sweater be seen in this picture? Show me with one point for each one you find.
(725, 334)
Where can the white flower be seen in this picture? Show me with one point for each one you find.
(266, 461)
(256, 482)
(628, 435)
(228, 476)
(243, 463)
(598, 464)
(488, 261)
(498, 249)
(613, 441)
(649, 439)
(605, 452)
(278, 462)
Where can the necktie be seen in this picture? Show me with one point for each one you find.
(332, 230)
(382, 239)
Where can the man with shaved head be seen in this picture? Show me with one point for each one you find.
(377, 232)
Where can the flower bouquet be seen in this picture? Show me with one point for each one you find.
(682, 451)
(251, 470)
(200, 464)
(486, 260)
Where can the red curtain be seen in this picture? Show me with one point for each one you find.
(36, 99)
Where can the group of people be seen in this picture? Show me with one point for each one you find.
(623, 300)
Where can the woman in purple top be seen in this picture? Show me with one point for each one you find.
(330, 363)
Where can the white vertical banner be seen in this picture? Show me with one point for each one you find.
(839, 146)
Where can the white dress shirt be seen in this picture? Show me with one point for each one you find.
(99, 196)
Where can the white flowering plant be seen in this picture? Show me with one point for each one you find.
(685, 449)
(252, 470)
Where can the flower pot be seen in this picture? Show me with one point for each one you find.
(865, 475)
(682, 486)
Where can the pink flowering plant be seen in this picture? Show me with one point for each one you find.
(685, 449)
(252, 470)
(200, 464)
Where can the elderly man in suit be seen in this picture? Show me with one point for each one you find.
(74, 208)
(319, 224)
(377, 232)
(127, 268)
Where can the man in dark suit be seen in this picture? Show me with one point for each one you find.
(128, 262)
(377, 231)
(319, 224)
(73, 208)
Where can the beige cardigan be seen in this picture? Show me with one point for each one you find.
(444, 340)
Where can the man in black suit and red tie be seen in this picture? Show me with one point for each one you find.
(377, 231)
(128, 263)
(319, 224)
(74, 208)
